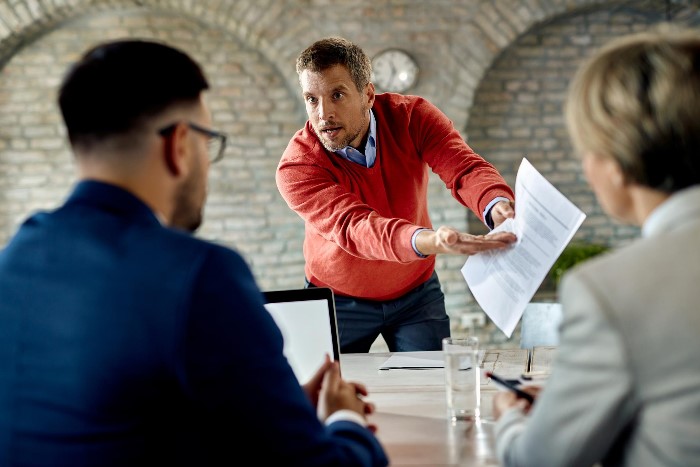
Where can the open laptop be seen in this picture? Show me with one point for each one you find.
(307, 320)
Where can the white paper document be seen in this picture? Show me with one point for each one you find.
(419, 360)
(504, 281)
(414, 360)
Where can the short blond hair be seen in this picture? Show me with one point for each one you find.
(637, 100)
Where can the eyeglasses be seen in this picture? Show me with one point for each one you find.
(216, 143)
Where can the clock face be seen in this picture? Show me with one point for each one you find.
(394, 70)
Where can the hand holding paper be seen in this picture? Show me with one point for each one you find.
(504, 281)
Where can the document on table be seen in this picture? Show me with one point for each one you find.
(414, 360)
(504, 281)
(418, 360)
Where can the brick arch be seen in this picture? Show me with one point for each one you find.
(517, 109)
(504, 138)
(251, 22)
(482, 31)
(248, 101)
(456, 43)
(256, 24)
(450, 71)
(495, 26)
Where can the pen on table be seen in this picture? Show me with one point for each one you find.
(511, 386)
(532, 375)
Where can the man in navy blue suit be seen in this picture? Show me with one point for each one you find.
(125, 340)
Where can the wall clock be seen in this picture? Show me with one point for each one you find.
(394, 70)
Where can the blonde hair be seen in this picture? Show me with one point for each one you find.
(637, 100)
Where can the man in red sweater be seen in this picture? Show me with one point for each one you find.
(357, 174)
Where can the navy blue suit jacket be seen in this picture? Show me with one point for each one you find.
(123, 342)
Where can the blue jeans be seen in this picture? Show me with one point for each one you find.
(415, 321)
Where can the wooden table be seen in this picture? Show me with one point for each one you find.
(411, 414)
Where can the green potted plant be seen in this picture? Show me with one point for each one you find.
(573, 254)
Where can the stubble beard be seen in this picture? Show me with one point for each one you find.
(345, 141)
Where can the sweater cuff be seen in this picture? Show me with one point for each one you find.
(413, 242)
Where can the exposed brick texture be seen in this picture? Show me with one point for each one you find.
(498, 69)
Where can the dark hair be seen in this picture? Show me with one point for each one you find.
(115, 85)
(332, 51)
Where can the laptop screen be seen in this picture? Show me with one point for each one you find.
(307, 320)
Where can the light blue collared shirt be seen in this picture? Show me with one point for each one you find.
(370, 154)
(487, 212)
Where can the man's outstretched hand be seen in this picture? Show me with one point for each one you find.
(449, 240)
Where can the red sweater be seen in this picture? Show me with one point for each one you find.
(359, 221)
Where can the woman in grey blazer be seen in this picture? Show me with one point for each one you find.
(625, 387)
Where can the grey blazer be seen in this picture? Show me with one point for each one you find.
(625, 385)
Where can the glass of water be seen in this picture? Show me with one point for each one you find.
(462, 373)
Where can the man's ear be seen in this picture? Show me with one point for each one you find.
(176, 148)
(369, 92)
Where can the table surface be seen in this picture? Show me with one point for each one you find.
(411, 415)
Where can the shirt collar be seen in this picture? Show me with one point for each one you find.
(370, 152)
(681, 207)
(371, 146)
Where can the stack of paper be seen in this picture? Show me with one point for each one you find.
(504, 281)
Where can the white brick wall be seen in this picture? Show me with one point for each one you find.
(498, 70)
